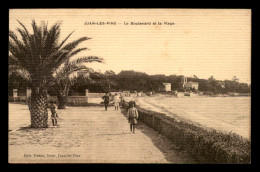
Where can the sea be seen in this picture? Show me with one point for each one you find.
(227, 114)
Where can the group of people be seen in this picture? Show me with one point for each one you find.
(132, 113)
(116, 101)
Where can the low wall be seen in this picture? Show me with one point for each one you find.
(100, 95)
(72, 100)
(17, 99)
(77, 100)
(244, 94)
(209, 146)
(96, 95)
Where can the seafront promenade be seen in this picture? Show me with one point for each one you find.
(88, 135)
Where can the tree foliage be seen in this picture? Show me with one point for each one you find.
(40, 54)
(139, 81)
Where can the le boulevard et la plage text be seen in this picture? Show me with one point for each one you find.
(128, 23)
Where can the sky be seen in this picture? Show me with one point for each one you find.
(208, 42)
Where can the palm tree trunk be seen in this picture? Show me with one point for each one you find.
(62, 99)
(38, 110)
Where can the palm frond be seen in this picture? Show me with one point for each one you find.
(74, 44)
(73, 53)
(75, 65)
(65, 40)
(64, 54)
(12, 60)
(88, 59)
(65, 73)
(26, 31)
(40, 53)
(19, 52)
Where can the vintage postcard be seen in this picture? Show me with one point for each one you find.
(168, 86)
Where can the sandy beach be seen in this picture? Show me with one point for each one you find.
(226, 114)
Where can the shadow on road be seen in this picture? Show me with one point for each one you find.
(123, 133)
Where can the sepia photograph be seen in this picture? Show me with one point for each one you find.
(129, 86)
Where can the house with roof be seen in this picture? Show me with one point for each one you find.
(84, 73)
(167, 86)
(190, 84)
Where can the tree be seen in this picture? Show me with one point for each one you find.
(62, 80)
(98, 82)
(39, 55)
(110, 73)
(235, 79)
(211, 79)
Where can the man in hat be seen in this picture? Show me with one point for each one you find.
(106, 100)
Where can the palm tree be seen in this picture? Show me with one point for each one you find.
(63, 81)
(39, 55)
(235, 79)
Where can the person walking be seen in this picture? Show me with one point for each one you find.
(106, 100)
(54, 114)
(116, 101)
(132, 116)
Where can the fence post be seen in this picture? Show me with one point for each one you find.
(28, 93)
(15, 94)
(86, 94)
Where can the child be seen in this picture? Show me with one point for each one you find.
(132, 116)
(54, 114)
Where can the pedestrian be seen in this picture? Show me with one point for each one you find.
(132, 116)
(54, 114)
(116, 101)
(106, 100)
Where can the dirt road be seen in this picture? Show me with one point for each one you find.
(92, 135)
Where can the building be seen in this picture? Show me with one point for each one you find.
(190, 84)
(83, 73)
(167, 86)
